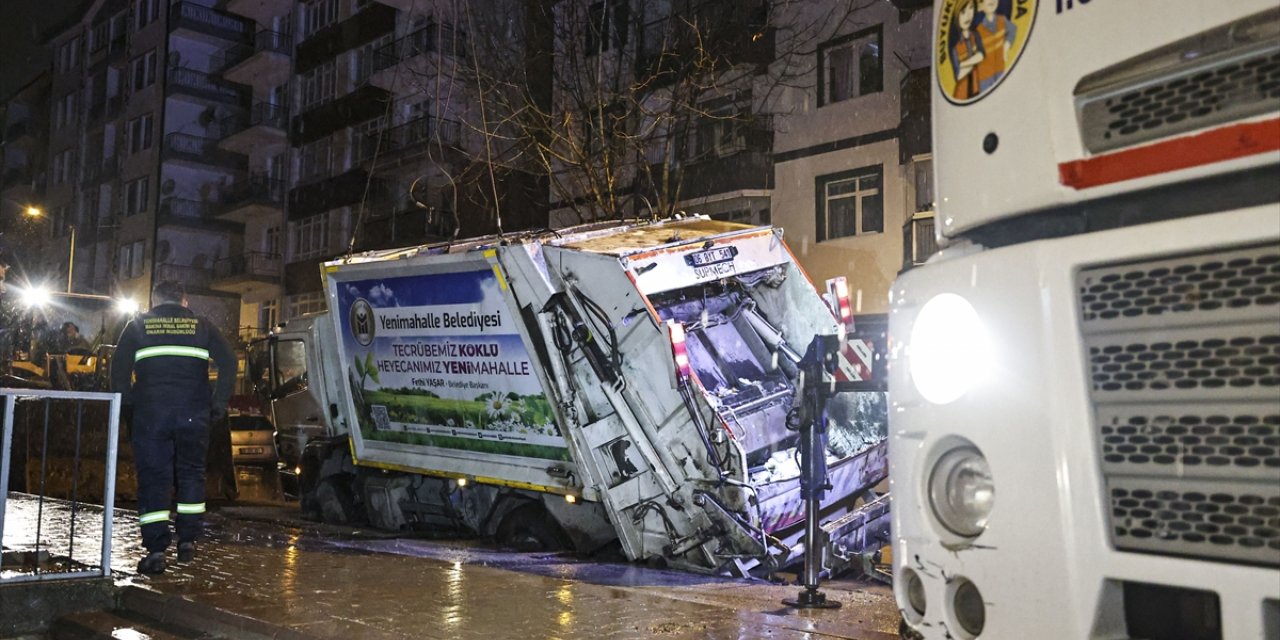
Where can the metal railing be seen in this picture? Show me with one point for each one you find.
(65, 421)
(250, 264)
(413, 134)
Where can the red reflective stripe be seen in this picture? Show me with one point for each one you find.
(1226, 143)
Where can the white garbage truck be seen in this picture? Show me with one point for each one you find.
(626, 382)
(1085, 381)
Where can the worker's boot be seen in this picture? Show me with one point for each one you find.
(153, 564)
(186, 552)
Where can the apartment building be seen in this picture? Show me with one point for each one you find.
(24, 129)
(367, 115)
(851, 148)
(134, 174)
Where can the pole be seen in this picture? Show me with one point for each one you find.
(811, 420)
(71, 258)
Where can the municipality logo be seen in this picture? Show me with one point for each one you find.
(361, 319)
(978, 42)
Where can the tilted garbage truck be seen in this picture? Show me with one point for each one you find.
(612, 381)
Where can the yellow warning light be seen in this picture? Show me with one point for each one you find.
(462, 482)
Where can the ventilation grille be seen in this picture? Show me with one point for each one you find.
(1237, 280)
(1214, 91)
(1188, 361)
(1218, 520)
(1184, 357)
(1226, 441)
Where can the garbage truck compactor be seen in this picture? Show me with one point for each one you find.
(610, 381)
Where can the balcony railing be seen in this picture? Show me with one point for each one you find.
(264, 40)
(184, 208)
(209, 21)
(423, 131)
(204, 85)
(262, 114)
(193, 277)
(252, 264)
(256, 189)
(181, 146)
(431, 38)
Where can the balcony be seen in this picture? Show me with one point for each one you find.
(207, 24)
(200, 153)
(255, 197)
(409, 138)
(729, 33)
(260, 11)
(264, 126)
(205, 89)
(358, 106)
(247, 274)
(194, 214)
(265, 63)
(192, 277)
(330, 193)
(410, 50)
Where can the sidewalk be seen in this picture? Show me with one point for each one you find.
(333, 583)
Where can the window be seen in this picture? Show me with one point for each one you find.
(99, 36)
(272, 245)
(68, 56)
(850, 66)
(63, 166)
(311, 237)
(65, 110)
(139, 131)
(135, 196)
(129, 259)
(718, 134)
(304, 303)
(607, 26)
(317, 85)
(142, 70)
(923, 169)
(268, 314)
(317, 15)
(145, 12)
(362, 60)
(364, 138)
(315, 160)
(850, 203)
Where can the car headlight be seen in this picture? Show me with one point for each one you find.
(948, 349)
(961, 491)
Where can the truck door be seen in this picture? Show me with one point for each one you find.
(296, 408)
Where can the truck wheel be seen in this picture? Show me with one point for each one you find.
(530, 528)
(334, 501)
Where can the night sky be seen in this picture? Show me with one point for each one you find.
(21, 23)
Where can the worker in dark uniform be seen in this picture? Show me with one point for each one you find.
(169, 349)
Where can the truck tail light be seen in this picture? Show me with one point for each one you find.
(841, 308)
(678, 349)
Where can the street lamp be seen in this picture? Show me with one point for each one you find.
(33, 211)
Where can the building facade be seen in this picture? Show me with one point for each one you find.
(24, 130)
(851, 151)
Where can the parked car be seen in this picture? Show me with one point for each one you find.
(252, 441)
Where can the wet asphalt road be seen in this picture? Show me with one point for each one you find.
(334, 582)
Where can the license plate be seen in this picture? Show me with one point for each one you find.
(248, 451)
(711, 256)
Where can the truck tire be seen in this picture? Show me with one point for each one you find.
(530, 528)
(334, 500)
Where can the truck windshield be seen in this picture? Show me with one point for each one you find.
(289, 367)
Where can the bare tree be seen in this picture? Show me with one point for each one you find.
(623, 104)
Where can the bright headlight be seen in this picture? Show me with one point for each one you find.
(34, 297)
(948, 349)
(961, 491)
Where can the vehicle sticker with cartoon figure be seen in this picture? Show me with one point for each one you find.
(978, 42)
